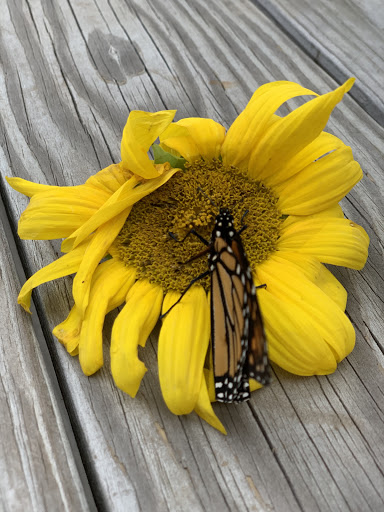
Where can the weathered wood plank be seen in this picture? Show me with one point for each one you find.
(73, 72)
(344, 37)
(38, 470)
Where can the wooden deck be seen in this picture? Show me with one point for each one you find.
(70, 73)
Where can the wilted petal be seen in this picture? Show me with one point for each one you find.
(68, 332)
(250, 126)
(290, 134)
(131, 328)
(194, 138)
(110, 284)
(96, 250)
(140, 132)
(126, 196)
(64, 266)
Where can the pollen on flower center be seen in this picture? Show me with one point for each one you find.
(156, 237)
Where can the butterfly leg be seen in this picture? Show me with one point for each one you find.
(191, 231)
(201, 276)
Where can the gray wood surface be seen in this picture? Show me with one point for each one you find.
(38, 463)
(70, 74)
(344, 37)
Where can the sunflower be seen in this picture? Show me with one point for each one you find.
(122, 230)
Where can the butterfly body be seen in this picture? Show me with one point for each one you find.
(237, 332)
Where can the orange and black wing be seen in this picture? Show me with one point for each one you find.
(237, 333)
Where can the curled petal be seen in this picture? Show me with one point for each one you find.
(321, 184)
(96, 250)
(183, 344)
(109, 179)
(330, 240)
(126, 196)
(140, 132)
(64, 266)
(250, 126)
(115, 205)
(306, 327)
(131, 328)
(68, 332)
(194, 138)
(292, 133)
(110, 284)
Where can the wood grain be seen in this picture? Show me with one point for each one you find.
(38, 463)
(71, 72)
(344, 37)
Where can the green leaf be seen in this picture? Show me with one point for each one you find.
(160, 157)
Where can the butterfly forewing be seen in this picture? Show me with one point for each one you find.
(237, 333)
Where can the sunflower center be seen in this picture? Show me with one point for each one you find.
(156, 237)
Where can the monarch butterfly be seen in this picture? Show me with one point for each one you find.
(238, 340)
(237, 334)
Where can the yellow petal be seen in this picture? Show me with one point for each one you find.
(28, 188)
(141, 130)
(131, 328)
(308, 321)
(194, 138)
(317, 273)
(110, 209)
(204, 409)
(109, 179)
(334, 211)
(320, 184)
(320, 146)
(67, 264)
(250, 126)
(125, 197)
(96, 250)
(68, 332)
(110, 285)
(328, 283)
(58, 212)
(210, 380)
(330, 240)
(292, 133)
(293, 344)
(183, 344)
(254, 385)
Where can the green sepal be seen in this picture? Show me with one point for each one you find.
(160, 157)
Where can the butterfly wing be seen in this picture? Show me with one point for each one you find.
(237, 332)
(227, 328)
